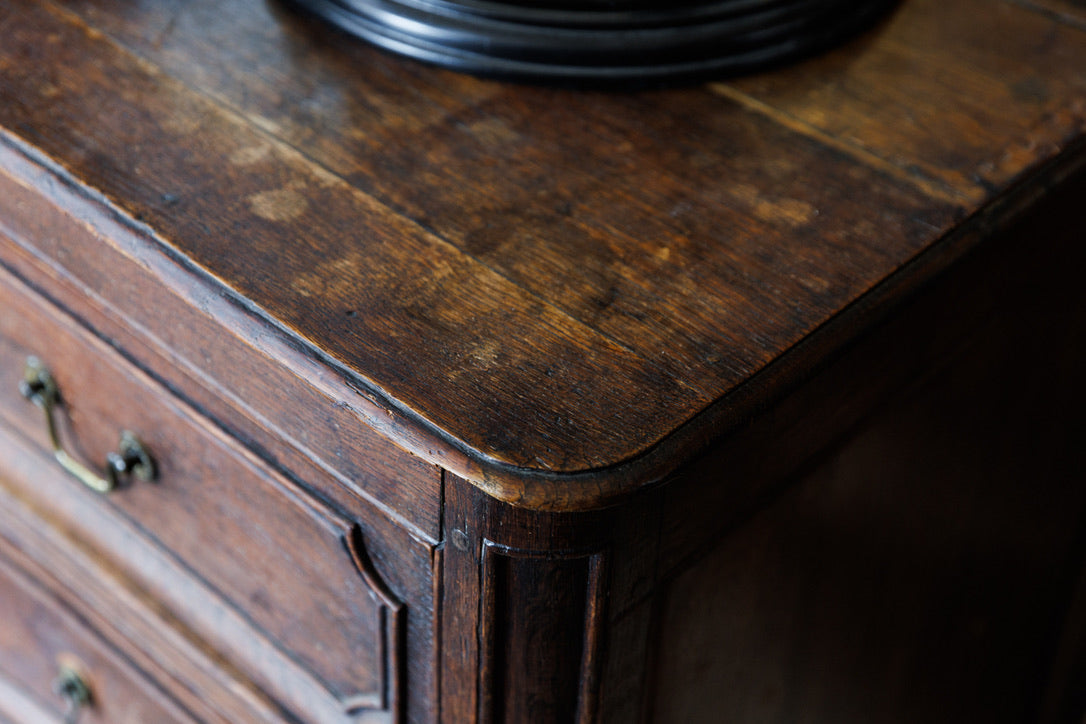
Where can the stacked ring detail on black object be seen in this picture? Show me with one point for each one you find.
(621, 41)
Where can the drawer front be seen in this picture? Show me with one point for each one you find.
(46, 655)
(282, 586)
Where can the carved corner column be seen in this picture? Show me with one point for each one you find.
(526, 602)
(541, 624)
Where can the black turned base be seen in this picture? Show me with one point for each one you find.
(622, 41)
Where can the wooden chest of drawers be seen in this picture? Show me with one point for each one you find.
(759, 401)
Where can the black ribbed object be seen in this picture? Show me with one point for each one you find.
(620, 41)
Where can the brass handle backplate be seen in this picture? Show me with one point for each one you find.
(131, 457)
(72, 687)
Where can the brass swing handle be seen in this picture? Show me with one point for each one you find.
(131, 458)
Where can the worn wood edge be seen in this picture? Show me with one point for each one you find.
(530, 487)
(587, 338)
(308, 476)
(37, 172)
(727, 415)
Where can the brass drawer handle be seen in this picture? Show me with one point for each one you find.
(72, 687)
(131, 458)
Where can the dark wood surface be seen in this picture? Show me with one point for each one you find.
(923, 566)
(899, 540)
(182, 330)
(558, 295)
(499, 403)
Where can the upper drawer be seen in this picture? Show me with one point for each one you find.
(282, 585)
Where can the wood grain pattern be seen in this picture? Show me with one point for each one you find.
(207, 347)
(483, 402)
(715, 208)
(601, 224)
(967, 96)
(366, 273)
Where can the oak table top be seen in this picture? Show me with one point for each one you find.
(558, 294)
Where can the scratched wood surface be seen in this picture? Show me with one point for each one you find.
(556, 281)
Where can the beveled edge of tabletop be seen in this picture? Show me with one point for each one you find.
(545, 490)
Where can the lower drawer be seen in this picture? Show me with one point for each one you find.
(52, 663)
